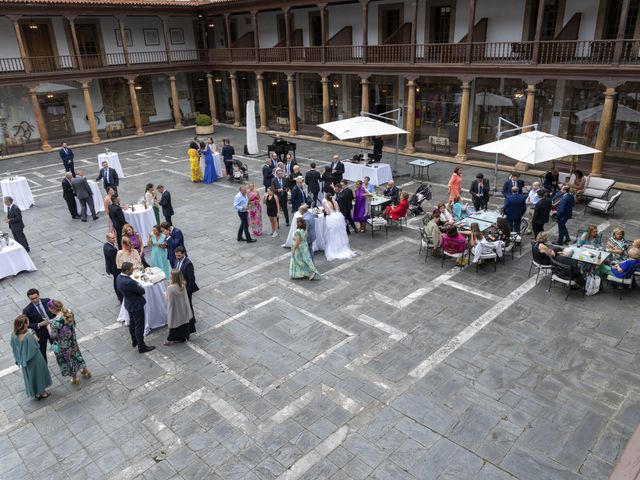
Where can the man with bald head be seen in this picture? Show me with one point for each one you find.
(337, 169)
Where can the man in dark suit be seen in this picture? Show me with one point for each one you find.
(66, 155)
(267, 173)
(134, 302)
(378, 143)
(110, 251)
(280, 145)
(344, 197)
(14, 219)
(227, 153)
(68, 195)
(109, 177)
(513, 182)
(165, 203)
(174, 239)
(289, 164)
(479, 191)
(297, 195)
(188, 272)
(515, 206)
(392, 192)
(83, 193)
(295, 173)
(541, 212)
(117, 217)
(337, 169)
(39, 317)
(565, 212)
(312, 179)
(281, 189)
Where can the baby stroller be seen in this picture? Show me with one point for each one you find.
(415, 203)
(240, 172)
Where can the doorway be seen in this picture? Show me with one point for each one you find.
(88, 45)
(57, 114)
(39, 45)
(390, 19)
(315, 29)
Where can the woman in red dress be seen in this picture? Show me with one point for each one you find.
(400, 210)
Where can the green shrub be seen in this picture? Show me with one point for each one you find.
(203, 120)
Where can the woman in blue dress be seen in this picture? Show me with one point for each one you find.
(159, 250)
(209, 169)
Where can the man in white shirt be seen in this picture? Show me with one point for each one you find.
(240, 203)
(532, 199)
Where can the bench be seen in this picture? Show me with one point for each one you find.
(439, 142)
(598, 187)
(111, 128)
(10, 142)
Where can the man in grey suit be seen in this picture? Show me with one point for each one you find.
(311, 226)
(84, 195)
(14, 219)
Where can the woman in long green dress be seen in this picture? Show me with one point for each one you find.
(301, 265)
(159, 251)
(26, 352)
(63, 332)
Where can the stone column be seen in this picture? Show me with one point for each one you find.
(235, 99)
(293, 119)
(123, 40)
(464, 122)
(364, 81)
(42, 127)
(89, 108)
(74, 39)
(262, 104)
(527, 120)
(165, 36)
(326, 114)
(212, 98)
(175, 101)
(137, 120)
(604, 131)
(23, 51)
(411, 116)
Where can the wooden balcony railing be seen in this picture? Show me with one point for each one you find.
(99, 61)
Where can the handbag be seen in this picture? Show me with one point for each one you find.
(592, 285)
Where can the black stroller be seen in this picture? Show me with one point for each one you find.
(240, 172)
(415, 204)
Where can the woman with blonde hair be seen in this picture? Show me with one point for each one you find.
(65, 345)
(136, 241)
(590, 237)
(616, 243)
(128, 254)
(26, 352)
(179, 311)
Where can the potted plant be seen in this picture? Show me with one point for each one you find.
(204, 125)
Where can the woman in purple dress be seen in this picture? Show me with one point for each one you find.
(360, 208)
(136, 241)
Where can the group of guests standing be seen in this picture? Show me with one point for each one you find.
(46, 321)
(207, 150)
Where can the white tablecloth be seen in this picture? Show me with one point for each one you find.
(15, 259)
(218, 165)
(142, 220)
(114, 162)
(318, 244)
(19, 190)
(98, 201)
(155, 310)
(379, 173)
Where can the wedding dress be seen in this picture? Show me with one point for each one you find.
(336, 241)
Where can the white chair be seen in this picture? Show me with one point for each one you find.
(598, 187)
(486, 256)
(620, 283)
(457, 256)
(604, 206)
(545, 269)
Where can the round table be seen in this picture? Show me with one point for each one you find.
(379, 173)
(15, 259)
(113, 160)
(155, 310)
(318, 243)
(98, 201)
(18, 189)
(142, 220)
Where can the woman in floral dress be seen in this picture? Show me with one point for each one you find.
(301, 264)
(255, 211)
(62, 329)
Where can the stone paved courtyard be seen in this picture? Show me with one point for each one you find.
(390, 367)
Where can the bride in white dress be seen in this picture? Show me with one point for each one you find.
(336, 242)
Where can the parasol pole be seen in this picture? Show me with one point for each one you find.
(389, 116)
(499, 133)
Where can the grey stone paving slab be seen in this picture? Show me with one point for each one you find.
(547, 390)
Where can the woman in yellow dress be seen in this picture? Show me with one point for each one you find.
(194, 160)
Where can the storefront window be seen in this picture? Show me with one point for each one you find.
(276, 91)
(224, 102)
(624, 147)
(247, 90)
(199, 95)
(584, 100)
(494, 98)
(437, 112)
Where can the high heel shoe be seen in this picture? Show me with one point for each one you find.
(85, 373)
(75, 381)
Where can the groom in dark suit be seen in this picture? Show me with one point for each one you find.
(165, 203)
(14, 219)
(344, 197)
(188, 272)
(66, 155)
(134, 302)
(110, 251)
(39, 317)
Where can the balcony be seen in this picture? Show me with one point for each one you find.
(574, 52)
(99, 62)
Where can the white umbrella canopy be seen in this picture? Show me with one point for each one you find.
(623, 114)
(535, 147)
(358, 127)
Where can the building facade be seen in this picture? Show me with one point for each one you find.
(454, 66)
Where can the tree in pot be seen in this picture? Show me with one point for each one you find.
(204, 125)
